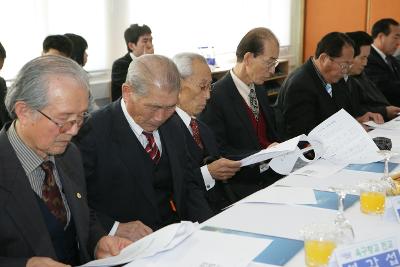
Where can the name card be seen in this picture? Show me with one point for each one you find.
(382, 252)
(396, 206)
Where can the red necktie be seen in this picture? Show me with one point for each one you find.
(51, 193)
(196, 133)
(152, 148)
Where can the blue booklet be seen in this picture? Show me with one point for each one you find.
(279, 252)
(377, 167)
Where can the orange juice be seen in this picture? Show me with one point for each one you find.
(372, 202)
(318, 252)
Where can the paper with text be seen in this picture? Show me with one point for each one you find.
(164, 239)
(345, 141)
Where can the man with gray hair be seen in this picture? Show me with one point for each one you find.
(195, 91)
(45, 219)
(132, 147)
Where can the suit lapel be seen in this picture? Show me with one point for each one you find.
(240, 110)
(380, 60)
(74, 199)
(22, 205)
(130, 152)
(170, 139)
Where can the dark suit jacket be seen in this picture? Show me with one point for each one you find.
(4, 117)
(117, 173)
(304, 102)
(23, 231)
(370, 97)
(226, 115)
(384, 78)
(118, 75)
(217, 196)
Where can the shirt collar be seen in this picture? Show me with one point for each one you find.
(184, 116)
(319, 74)
(134, 126)
(28, 158)
(132, 55)
(383, 56)
(241, 86)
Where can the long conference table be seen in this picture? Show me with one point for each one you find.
(276, 227)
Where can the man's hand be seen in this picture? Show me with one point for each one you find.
(223, 169)
(133, 230)
(392, 111)
(376, 117)
(110, 246)
(44, 262)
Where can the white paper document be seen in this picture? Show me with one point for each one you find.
(164, 239)
(390, 125)
(208, 249)
(268, 153)
(345, 141)
(282, 195)
(320, 168)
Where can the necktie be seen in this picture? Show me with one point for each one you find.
(253, 101)
(196, 133)
(51, 193)
(152, 148)
(328, 88)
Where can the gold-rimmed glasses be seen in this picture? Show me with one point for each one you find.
(66, 126)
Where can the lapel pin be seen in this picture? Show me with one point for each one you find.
(78, 195)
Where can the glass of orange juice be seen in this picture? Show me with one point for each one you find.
(319, 243)
(373, 197)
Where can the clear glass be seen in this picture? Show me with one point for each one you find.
(344, 228)
(373, 197)
(390, 184)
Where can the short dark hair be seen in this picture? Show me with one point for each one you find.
(133, 33)
(332, 44)
(383, 26)
(359, 38)
(79, 45)
(253, 42)
(2, 52)
(58, 42)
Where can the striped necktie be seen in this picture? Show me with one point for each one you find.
(151, 147)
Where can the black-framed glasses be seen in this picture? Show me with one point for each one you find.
(344, 66)
(66, 126)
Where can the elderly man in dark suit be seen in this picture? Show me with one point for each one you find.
(312, 93)
(195, 91)
(238, 110)
(131, 147)
(382, 68)
(44, 217)
(138, 42)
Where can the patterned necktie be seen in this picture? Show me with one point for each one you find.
(152, 148)
(328, 88)
(51, 193)
(196, 133)
(253, 101)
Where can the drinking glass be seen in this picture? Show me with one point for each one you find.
(373, 196)
(344, 229)
(319, 242)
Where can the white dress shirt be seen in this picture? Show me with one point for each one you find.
(383, 56)
(244, 89)
(209, 182)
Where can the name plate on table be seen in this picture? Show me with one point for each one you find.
(396, 206)
(382, 252)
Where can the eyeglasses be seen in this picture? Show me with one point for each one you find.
(205, 87)
(271, 63)
(66, 126)
(344, 66)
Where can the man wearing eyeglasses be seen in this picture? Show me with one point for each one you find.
(239, 113)
(44, 217)
(312, 93)
(195, 91)
(139, 174)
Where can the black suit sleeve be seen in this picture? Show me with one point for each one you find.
(118, 77)
(4, 117)
(86, 142)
